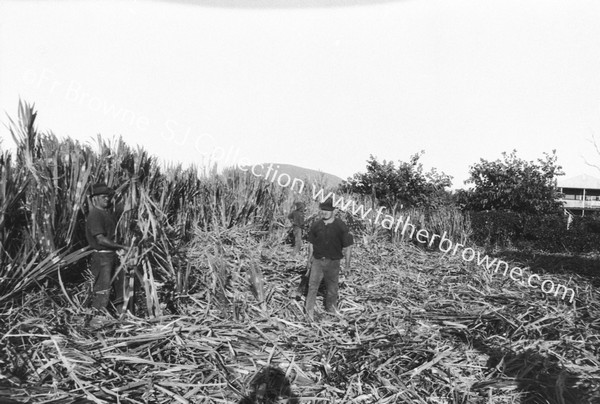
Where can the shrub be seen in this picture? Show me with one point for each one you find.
(514, 184)
(540, 232)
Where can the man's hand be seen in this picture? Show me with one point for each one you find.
(108, 244)
(127, 255)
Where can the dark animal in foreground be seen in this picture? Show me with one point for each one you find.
(268, 386)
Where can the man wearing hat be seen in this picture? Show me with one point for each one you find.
(297, 219)
(100, 232)
(330, 241)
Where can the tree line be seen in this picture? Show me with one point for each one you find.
(510, 183)
(509, 200)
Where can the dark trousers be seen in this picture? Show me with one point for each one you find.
(297, 238)
(329, 271)
(103, 266)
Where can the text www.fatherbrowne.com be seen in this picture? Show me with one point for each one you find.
(421, 235)
(446, 245)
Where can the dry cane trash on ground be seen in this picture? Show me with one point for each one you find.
(416, 327)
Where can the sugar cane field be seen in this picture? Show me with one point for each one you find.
(217, 315)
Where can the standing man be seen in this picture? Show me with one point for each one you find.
(330, 242)
(100, 233)
(297, 219)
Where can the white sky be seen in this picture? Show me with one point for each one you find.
(319, 87)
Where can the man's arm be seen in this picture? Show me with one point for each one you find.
(347, 242)
(106, 243)
(297, 219)
(347, 251)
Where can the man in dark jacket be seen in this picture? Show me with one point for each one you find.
(297, 219)
(100, 232)
(330, 242)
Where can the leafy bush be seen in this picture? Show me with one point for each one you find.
(513, 184)
(405, 186)
(540, 232)
(495, 227)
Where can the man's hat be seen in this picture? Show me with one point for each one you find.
(327, 205)
(101, 189)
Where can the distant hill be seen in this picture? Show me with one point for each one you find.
(306, 174)
(317, 176)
